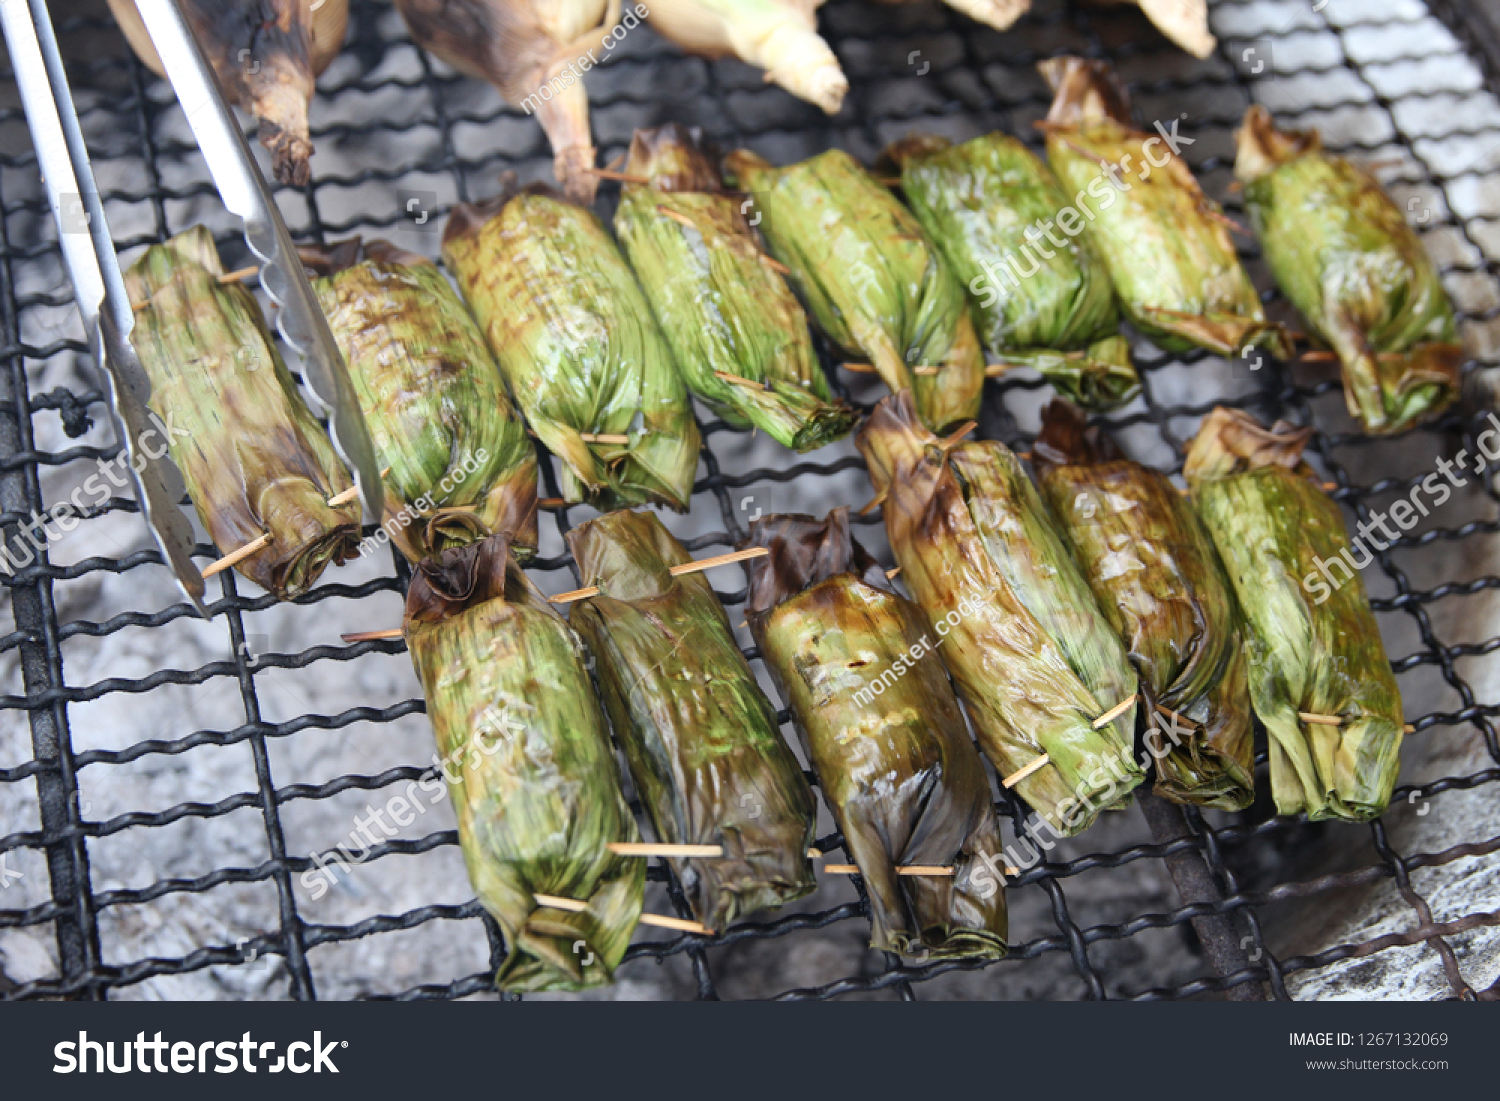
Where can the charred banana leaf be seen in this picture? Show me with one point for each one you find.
(1160, 584)
(701, 738)
(460, 464)
(526, 753)
(1165, 243)
(1038, 299)
(1032, 655)
(266, 54)
(1314, 647)
(254, 459)
(736, 330)
(779, 36)
(870, 277)
(1346, 257)
(897, 769)
(535, 53)
(579, 347)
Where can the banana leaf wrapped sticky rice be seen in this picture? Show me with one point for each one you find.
(1315, 650)
(858, 665)
(460, 465)
(736, 330)
(526, 753)
(1160, 584)
(701, 738)
(578, 345)
(1166, 245)
(1029, 650)
(1346, 257)
(1037, 299)
(871, 278)
(255, 460)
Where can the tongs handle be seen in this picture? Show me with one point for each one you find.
(244, 190)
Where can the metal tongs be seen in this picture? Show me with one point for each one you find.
(100, 289)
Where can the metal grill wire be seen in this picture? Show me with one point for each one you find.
(413, 125)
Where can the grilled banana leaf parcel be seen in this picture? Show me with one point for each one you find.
(577, 343)
(1037, 298)
(1164, 242)
(1032, 655)
(1313, 643)
(266, 54)
(460, 466)
(254, 459)
(736, 330)
(700, 736)
(1160, 584)
(871, 278)
(1346, 257)
(858, 665)
(526, 753)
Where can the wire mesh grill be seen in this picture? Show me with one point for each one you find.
(419, 138)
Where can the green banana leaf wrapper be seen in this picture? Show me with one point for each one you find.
(870, 277)
(578, 345)
(1040, 302)
(724, 311)
(1161, 586)
(460, 465)
(1030, 652)
(1314, 646)
(526, 753)
(895, 762)
(700, 737)
(1346, 257)
(253, 457)
(1166, 244)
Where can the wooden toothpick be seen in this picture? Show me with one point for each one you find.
(603, 437)
(659, 920)
(371, 636)
(1321, 720)
(774, 264)
(241, 274)
(1016, 777)
(861, 368)
(675, 571)
(1113, 713)
(240, 555)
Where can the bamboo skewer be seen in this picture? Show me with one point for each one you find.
(774, 264)
(1334, 720)
(662, 848)
(603, 437)
(254, 545)
(675, 571)
(241, 274)
(1113, 713)
(739, 381)
(860, 368)
(1016, 777)
(676, 217)
(580, 594)
(659, 920)
(240, 555)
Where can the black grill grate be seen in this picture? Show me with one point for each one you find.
(414, 127)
